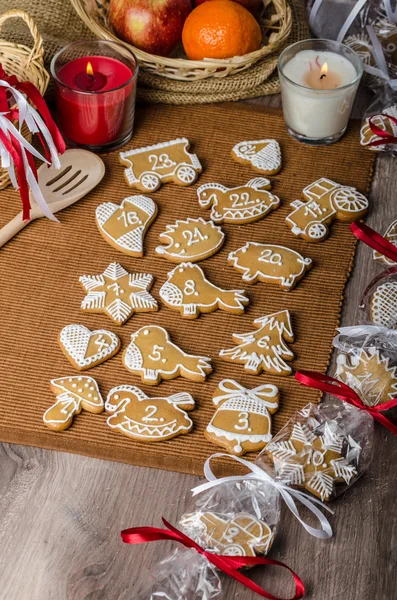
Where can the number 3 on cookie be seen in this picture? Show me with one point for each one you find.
(243, 420)
(156, 354)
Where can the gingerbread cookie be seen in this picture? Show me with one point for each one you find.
(325, 201)
(117, 293)
(264, 349)
(85, 348)
(245, 204)
(391, 236)
(383, 122)
(153, 356)
(148, 419)
(383, 305)
(188, 291)
(191, 240)
(73, 394)
(149, 167)
(263, 155)
(124, 225)
(369, 374)
(270, 263)
(242, 421)
(314, 462)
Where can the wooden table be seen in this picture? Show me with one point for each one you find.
(61, 514)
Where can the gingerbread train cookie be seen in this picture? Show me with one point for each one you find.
(73, 394)
(191, 240)
(153, 356)
(391, 236)
(146, 419)
(324, 202)
(188, 291)
(263, 155)
(270, 263)
(84, 348)
(245, 204)
(242, 421)
(117, 293)
(124, 226)
(383, 305)
(149, 167)
(264, 349)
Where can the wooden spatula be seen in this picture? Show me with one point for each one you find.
(80, 172)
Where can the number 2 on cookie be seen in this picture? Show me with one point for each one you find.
(151, 410)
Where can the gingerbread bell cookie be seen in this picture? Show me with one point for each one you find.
(270, 263)
(117, 293)
(383, 305)
(124, 225)
(324, 202)
(242, 421)
(391, 236)
(191, 240)
(263, 155)
(245, 204)
(149, 167)
(382, 122)
(146, 419)
(84, 348)
(188, 291)
(264, 349)
(153, 356)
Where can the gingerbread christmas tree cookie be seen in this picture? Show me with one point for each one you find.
(84, 348)
(117, 293)
(191, 240)
(383, 305)
(391, 236)
(263, 155)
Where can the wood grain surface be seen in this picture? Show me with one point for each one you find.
(61, 514)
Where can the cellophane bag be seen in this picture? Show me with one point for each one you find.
(379, 301)
(382, 113)
(323, 449)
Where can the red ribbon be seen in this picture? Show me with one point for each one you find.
(374, 240)
(344, 392)
(388, 138)
(227, 564)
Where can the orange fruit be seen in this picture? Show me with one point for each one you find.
(220, 29)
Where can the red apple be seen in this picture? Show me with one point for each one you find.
(254, 6)
(154, 26)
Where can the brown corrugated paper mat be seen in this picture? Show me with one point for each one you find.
(40, 292)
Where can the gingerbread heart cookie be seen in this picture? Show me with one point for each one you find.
(391, 236)
(383, 305)
(188, 291)
(263, 155)
(191, 240)
(85, 348)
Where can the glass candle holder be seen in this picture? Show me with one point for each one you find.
(319, 81)
(95, 91)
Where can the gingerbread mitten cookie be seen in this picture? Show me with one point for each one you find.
(263, 155)
(383, 305)
(124, 226)
(117, 293)
(84, 348)
(264, 349)
(188, 291)
(72, 395)
(191, 240)
(153, 356)
(391, 236)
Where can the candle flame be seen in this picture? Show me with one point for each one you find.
(89, 70)
(324, 69)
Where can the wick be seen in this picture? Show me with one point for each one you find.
(323, 75)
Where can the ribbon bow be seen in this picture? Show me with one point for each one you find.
(332, 386)
(227, 564)
(374, 240)
(233, 389)
(287, 493)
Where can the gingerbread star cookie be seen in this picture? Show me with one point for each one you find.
(245, 204)
(270, 263)
(84, 348)
(264, 349)
(73, 394)
(124, 225)
(383, 305)
(191, 240)
(117, 293)
(324, 202)
(188, 291)
(391, 236)
(153, 356)
(146, 419)
(149, 167)
(263, 155)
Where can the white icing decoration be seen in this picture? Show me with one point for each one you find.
(193, 252)
(76, 338)
(267, 159)
(383, 305)
(391, 236)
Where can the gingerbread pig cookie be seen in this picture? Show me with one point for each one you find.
(324, 202)
(391, 236)
(245, 204)
(146, 419)
(242, 420)
(149, 167)
(270, 263)
(191, 240)
(117, 293)
(264, 349)
(381, 121)
(84, 348)
(263, 155)
(153, 356)
(383, 305)
(124, 225)
(188, 291)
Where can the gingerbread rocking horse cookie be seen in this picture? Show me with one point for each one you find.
(191, 240)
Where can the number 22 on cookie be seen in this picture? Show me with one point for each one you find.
(193, 237)
(242, 199)
(269, 257)
(129, 218)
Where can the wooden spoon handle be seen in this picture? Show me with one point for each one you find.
(12, 228)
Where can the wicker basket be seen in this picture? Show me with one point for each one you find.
(26, 63)
(275, 23)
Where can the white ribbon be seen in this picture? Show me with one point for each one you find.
(391, 14)
(347, 24)
(232, 389)
(381, 70)
(288, 494)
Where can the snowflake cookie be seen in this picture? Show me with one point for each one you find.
(85, 348)
(191, 240)
(263, 155)
(117, 293)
